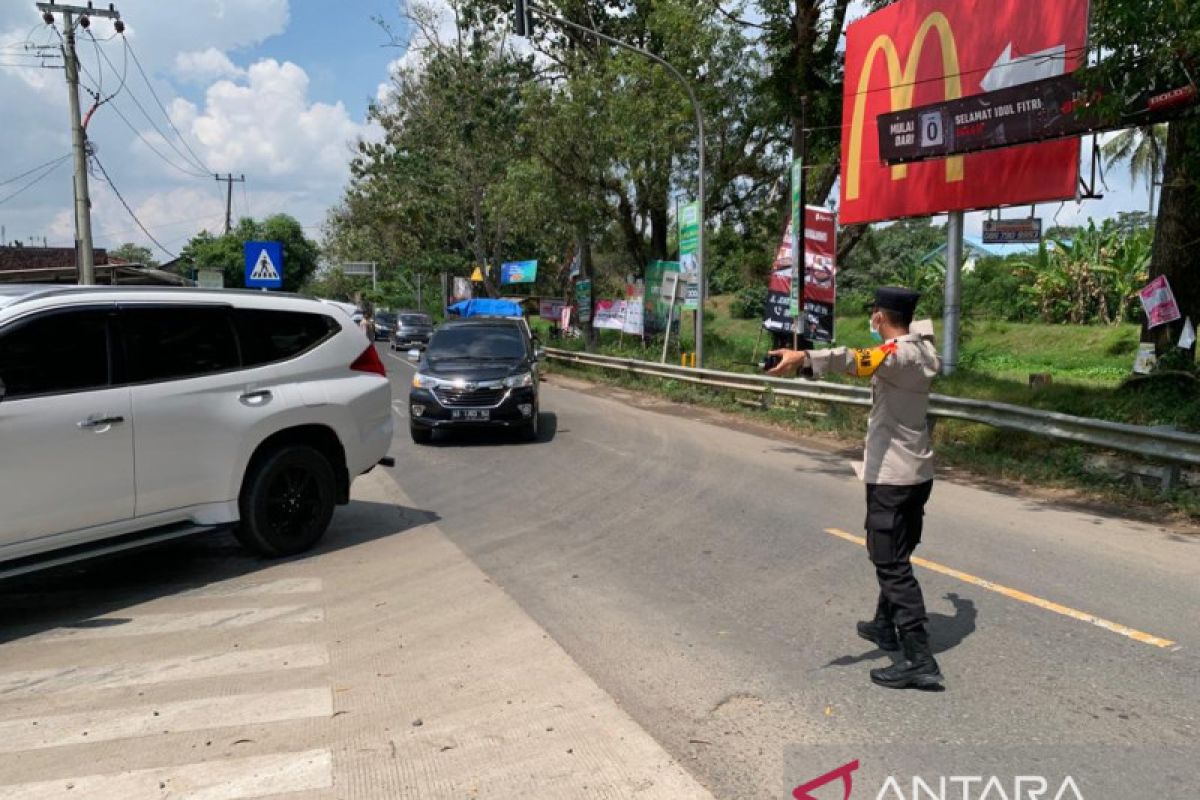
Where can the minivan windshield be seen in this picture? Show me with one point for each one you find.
(483, 342)
(415, 319)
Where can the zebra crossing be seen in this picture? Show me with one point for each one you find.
(237, 659)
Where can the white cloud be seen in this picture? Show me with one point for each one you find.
(267, 125)
(203, 66)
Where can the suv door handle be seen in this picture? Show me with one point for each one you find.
(99, 421)
(258, 398)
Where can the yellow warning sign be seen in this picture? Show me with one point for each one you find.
(477, 276)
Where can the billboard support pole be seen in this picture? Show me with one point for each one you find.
(953, 310)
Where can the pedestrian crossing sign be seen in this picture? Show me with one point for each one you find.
(264, 265)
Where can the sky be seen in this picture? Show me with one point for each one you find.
(272, 89)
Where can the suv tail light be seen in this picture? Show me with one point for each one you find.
(369, 361)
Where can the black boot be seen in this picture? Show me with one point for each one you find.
(881, 633)
(918, 669)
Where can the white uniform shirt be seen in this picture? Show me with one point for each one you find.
(897, 450)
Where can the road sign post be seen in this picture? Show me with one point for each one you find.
(264, 265)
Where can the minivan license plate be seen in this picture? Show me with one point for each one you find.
(473, 414)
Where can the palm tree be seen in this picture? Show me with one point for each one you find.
(1145, 148)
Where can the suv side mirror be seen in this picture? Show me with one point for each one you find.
(539, 354)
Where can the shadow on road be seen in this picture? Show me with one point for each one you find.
(73, 595)
(483, 437)
(945, 632)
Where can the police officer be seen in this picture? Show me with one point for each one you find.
(897, 469)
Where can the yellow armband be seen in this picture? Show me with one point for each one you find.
(867, 360)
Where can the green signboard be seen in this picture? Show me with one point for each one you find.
(657, 306)
(797, 252)
(689, 251)
(583, 300)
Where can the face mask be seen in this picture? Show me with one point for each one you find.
(875, 334)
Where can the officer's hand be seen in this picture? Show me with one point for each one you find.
(790, 362)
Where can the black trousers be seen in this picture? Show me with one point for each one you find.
(895, 518)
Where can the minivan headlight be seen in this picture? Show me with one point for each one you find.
(420, 381)
(519, 381)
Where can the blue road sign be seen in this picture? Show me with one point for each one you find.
(264, 265)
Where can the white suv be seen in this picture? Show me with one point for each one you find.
(129, 416)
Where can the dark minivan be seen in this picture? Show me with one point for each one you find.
(477, 372)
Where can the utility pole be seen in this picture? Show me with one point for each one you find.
(72, 16)
(230, 181)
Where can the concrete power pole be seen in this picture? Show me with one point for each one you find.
(230, 181)
(72, 16)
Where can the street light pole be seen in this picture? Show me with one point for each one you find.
(521, 30)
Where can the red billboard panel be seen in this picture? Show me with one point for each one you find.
(919, 52)
(820, 278)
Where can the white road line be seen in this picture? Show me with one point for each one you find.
(148, 624)
(282, 586)
(202, 665)
(37, 733)
(234, 779)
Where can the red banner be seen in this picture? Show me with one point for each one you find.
(820, 278)
(918, 52)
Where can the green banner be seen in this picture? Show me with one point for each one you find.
(583, 300)
(797, 245)
(657, 306)
(689, 251)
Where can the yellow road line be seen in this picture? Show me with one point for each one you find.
(1016, 594)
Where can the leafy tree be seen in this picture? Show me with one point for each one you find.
(1143, 147)
(134, 254)
(227, 253)
(1148, 46)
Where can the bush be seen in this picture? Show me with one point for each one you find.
(749, 303)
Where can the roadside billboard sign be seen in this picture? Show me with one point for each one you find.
(918, 52)
(583, 300)
(210, 279)
(1012, 231)
(518, 272)
(819, 296)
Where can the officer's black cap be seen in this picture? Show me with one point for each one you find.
(898, 299)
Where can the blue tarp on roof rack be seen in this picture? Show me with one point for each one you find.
(484, 307)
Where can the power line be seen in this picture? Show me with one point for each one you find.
(199, 161)
(52, 167)
(49, 163)
(154, 125)
(134, 216)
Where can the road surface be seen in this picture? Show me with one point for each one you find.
(650, 601)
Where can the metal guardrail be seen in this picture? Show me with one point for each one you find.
(1160, 444)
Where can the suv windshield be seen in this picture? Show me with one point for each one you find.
(415, 319)
(385, 318)
(478, 341)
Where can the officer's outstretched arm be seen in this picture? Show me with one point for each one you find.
(858, 362)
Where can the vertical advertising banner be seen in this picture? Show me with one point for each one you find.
(583, 300)
(689, 253)
(819, 295)
(635, 309)
(657, 304)
(918, 52)
(794, 226)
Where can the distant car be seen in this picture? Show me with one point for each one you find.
(385, 325)
(136, 415)
(476, 373)
(413, 329)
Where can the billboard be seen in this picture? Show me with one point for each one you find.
(919, 52)
(820, 279)
(518, 272)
